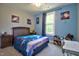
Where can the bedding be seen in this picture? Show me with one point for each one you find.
(28, 45)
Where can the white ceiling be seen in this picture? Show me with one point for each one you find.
(29, 7)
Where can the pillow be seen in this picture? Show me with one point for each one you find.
(69, 37)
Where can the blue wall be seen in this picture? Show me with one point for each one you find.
(63, 27)
(38, 27)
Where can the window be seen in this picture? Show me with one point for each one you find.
(50, 23)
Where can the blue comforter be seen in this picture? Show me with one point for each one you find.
(22, 41)
(31, 37)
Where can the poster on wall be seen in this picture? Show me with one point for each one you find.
(37, 20)
(29, 21)
(15, 19)
(65, 15)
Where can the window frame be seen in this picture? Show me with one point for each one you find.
(53, 24)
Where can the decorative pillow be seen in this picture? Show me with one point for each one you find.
(69, 37)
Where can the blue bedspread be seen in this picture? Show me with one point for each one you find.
(26, 44)
(31, 37)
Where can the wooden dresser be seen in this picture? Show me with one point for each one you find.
(5, 41)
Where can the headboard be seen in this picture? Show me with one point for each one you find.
(17, 31)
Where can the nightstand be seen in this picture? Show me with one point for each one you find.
(5, 41)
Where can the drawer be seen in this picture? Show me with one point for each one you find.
(6, 43)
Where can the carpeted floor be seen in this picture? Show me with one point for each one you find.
(9, 51)
(51, 50)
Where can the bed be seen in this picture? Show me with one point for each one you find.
(28, 45)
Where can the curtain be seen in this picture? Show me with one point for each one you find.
(43, 23)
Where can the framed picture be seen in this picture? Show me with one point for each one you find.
(15, 19)
(37, 20)
(29, 21)
(65, 15)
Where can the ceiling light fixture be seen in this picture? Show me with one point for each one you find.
(37, 4)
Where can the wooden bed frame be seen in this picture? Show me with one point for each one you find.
(17, 31)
